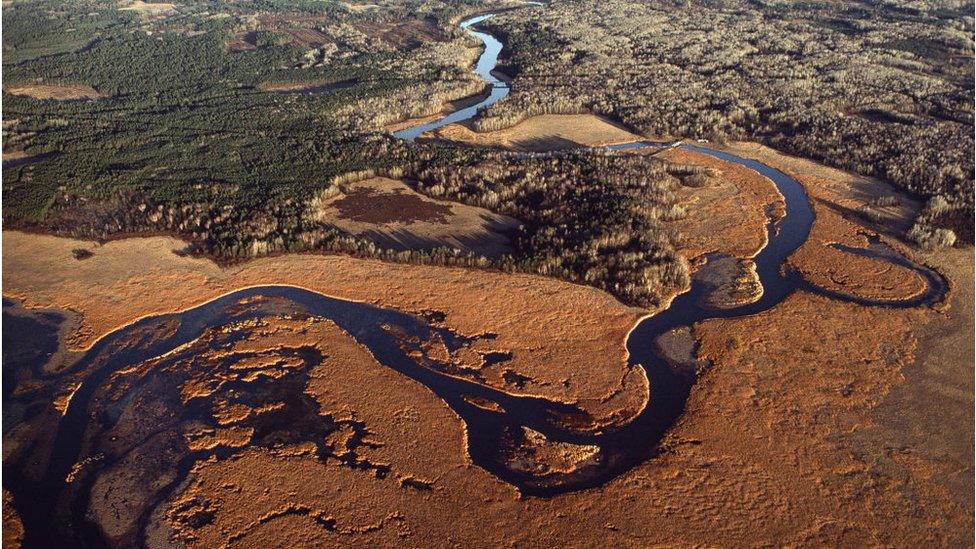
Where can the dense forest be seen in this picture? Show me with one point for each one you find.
(183, 113)
(589, 217)
(882, 88)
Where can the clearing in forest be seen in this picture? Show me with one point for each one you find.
(60, 92)
(393, 215)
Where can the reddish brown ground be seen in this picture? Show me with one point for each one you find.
(770, 452)
(372, 206)
(728, 214)
(129, 279)
(861, 277)
(13, 529)
(393, 215)
(790, 438)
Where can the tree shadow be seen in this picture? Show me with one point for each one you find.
(545, 143)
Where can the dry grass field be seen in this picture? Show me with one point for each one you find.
(129, 279)
(58, 92)
(393, 215)
(543, 133)
(796, 435)
(150, 8)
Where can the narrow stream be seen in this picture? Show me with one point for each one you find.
(486, 64)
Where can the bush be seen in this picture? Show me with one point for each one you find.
(929, 238)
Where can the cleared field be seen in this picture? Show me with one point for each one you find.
(359, 7)
(150, 8)
(393, 215)
(405, 34)
(59, 92)
(543, 133)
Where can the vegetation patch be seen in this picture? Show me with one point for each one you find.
(59, 92)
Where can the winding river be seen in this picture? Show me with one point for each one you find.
(491, 429)
(487, 61)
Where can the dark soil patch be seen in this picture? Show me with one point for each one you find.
(371, 206)
(405, 35)
(308, 37)
(885, 116)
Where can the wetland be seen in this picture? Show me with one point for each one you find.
(569, 328)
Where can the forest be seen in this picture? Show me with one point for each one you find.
(182, 109)
(882, 89)
(201, 129)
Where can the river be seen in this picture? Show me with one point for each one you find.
(487, 61)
